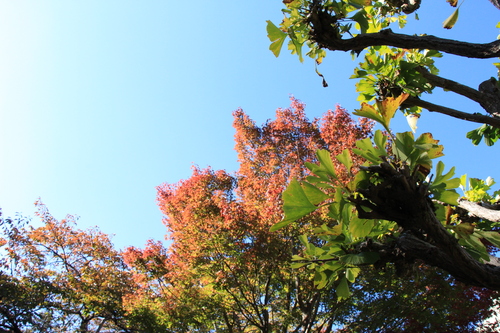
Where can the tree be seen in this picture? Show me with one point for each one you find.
(56, 278)
(225, 271)
(428, 300)
(393, 211)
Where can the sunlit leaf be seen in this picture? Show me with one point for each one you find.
(314, 194)
(360, 228)
(276, 36)
(342, 290)
(448, 196)
(345, 159)
(433, 149)
(369, 111)
(383, 111)
(451, 20)
(325, 160)
(296, 204)
(351, 273)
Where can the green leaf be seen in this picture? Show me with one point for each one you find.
(296, 204)
(426, 142)
(475, 135)
(360, 3)
(351, 273)
(326, 162)
(370, 153)
(369, 111)
(360, 228)
(445, 179)
(442, 188)
(296, 265)
(473, 242)
(296, 47)
(319, 171)
(303, 240)
(380, 140)
(314, 194)
(491, 236)
(448, 196)
(345, 159)
(383, 111)
(404, 145)
(320, 279)
(360, 18)
(343, 289)
(360, 258)
(491, 135)
(451, 20)
(276, 36)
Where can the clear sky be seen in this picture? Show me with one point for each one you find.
(101, 101)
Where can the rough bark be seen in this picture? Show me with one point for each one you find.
(488, 94)
(324, 33)
(473, 117)
(400, 197)
(479, 210)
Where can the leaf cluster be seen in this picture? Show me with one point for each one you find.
(338, 245)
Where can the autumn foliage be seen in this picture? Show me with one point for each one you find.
(56, 278)
(223, 255)
(223, 271)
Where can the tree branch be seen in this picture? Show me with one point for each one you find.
(451, 85)
(325, 34)
(488, 95)
(480, 211)
(401, 198)
(473, 117)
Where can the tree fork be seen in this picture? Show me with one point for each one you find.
(399, 197)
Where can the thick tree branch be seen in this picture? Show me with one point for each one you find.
(473, 117)
(401, 198)
(451, 85)
(488, 95)
(480, 211)
(325, 34)
(458, 264)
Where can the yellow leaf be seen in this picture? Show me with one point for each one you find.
(451, 21)
(369, 111)
(383, 111)
(389, 106)
(465, 228)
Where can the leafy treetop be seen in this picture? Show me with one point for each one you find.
(401, 207)
(393, 63)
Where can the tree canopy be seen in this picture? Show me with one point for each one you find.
(56, 278)
(327, 225)
(402, 207)
(226, 271)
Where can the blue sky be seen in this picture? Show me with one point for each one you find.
(101, 101)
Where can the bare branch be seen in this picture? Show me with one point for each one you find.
(473, 117)
(480, 211)
(451, 85)
(488, 95)
(325, 34)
